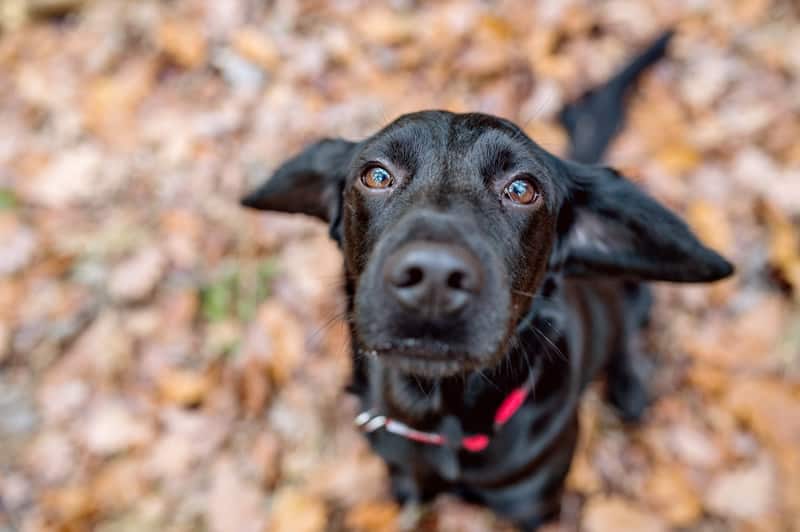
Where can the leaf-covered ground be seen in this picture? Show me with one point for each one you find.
(171, 362)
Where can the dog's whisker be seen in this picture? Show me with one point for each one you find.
(550, 342)
(328, 324)
(486, 378)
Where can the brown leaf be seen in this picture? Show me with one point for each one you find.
(183, 387)
(276, 341)
(119, 485)
(385, 26)
(763, 405)
(674, 497)
(255, 387)
(296, 511)
(746, 492)
(5, 341)
(183, 42)
(257, 47)
(103, 350)
(265, 458)
(234, 503)
(784, 245)
(373, 517)
(52, 457)
(678, 158)
(70, 505)
(748, 340)
(112, 428)
(602, 514)
(18, 243)
(693, 446)
(136, 277)
(109, 102)
(710, 222)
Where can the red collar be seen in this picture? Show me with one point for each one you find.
(369, 422)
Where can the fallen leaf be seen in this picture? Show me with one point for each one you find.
(46, 8)
(265, 459)
(112, 428)
(135, 278)
(18, 242)
(183, 42)
(296, 511)
(52, 457)
(103, 350)
(235, 504)
(693, 446)
(183, 387)
(171, 457)
(602, 514)
(385, 26)
(711, 224)
(784, 245)
(764, 406)
(110, 102)
(673, 496)
(275, 341)
(373, 517)
(678, 158)
(5, 341)
(71, 505)
(743, 493)
(257, 47)
(119, 485)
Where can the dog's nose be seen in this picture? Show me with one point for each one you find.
(436, 280)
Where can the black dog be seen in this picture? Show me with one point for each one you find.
(488, 282)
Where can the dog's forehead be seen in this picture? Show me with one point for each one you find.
(444, 132)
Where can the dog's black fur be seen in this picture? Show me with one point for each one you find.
(557, 294)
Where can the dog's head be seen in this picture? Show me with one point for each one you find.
(450, 222)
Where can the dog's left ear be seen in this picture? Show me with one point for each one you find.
(610, 227)
(308, 183)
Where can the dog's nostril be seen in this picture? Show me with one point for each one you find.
(432, 279)
(410, 277)
(456, 280)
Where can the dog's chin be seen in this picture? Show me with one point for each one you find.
(427, 359)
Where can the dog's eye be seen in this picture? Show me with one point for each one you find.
(521, 191)
(377, 177)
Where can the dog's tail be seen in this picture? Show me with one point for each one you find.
(594, 118)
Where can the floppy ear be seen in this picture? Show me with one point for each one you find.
(610, 227)
(308, 183)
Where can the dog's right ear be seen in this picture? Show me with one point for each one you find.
(308, 183)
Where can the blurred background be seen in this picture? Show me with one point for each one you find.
(171, 362)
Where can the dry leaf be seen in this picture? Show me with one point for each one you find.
(693, 446)
(257, 47)
(72, 505)
(233, 503)
(296, 511)
(5, 341)
(744, 492)
(373, 517)
(184, 388)
(136, 277)
(183, 42)
(602, 514)
(112, 428)
(18, 243)
(275, 341)
(673, 496)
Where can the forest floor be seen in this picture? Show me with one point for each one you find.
(171, 362)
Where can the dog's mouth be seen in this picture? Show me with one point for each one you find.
(425, 358)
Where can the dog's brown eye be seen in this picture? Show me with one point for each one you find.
(377, 177)
(521, 191)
